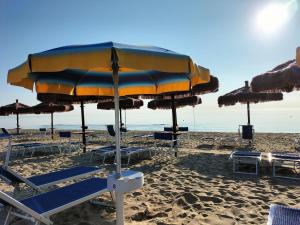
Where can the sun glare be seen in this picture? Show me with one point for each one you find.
(274, 16)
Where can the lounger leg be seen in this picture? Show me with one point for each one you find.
(128, 160)
(6, 222)
(273, 166)
(233, 165)
(256, 169)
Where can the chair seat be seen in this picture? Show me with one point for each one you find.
(49, 201)
(56, 176)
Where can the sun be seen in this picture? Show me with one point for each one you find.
(274, 16)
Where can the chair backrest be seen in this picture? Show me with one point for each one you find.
(247, 132)
(163, 136)
(8, 200)
(4, 131)
(65, 134)
(178, 129)
(8, 177)
(183, 129)
(111, 131)
(279, 215)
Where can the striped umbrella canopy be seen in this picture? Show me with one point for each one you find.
(246, 95)
(13, 108)
(124, 103)
(109, 69)
(284, 77)
(47, 108)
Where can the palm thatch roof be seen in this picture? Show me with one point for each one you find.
(124, 103)
(178, 102)
(46, 108)
(285, 77)
(68, 99)
(13, 108)
(244, 95)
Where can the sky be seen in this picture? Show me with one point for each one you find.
(221, 35)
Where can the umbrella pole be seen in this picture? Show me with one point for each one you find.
(248, 112)
(119, 195)
(18, 126)
(52, 129)
(83, 126)
(174, 118)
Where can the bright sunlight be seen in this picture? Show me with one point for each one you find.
(274, 16)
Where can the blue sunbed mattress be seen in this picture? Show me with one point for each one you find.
(282, 215)
(60, 175)
(51, 200)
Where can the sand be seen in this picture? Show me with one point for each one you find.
(196, 188)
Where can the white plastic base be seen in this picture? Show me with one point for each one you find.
(130, 180)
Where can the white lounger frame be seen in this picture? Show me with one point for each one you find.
(247, 160)
(275, 160)
(35, 217)
(42, 188)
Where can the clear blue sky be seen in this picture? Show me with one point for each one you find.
(218, 34)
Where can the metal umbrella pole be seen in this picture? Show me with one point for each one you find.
(119, 195)
(174, 119)
(248, 104)
(83, 126)
(52, 129)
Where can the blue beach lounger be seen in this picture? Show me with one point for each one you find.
(244, 157)
(39, 208)
(283, 215)
(284, 159)
(44, 181)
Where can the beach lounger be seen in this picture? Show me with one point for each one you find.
(283, 160)
(66, 144)
(104, 152)
(247, 133)
(245, 158)
(44, 181)
(39, 208)
(283, 215)
(169, 137)
(133, 151)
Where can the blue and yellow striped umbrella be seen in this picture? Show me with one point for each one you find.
(87, 70)
(109, 69)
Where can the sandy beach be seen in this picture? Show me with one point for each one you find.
(198, 187)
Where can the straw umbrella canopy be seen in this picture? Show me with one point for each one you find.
(124, 103)
(246, 96)
(71, 99)
(285, 77)
(13, 108)
(109, 69)
(48, 108)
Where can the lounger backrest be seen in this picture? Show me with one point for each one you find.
(65, 134)
(179, 129)
(279, 215)
(163, 136)
(247, 131)
(43, 130)
(8, 200)
(8, 177)
(111, 131)
(4, 131)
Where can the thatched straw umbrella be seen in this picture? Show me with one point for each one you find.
(124, 103)
(245, 95)
(173, 104)
(284, 77)
(48, 108)
(71, 99)
(13, 108)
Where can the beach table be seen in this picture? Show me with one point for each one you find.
(279, 159)
(246, 158)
